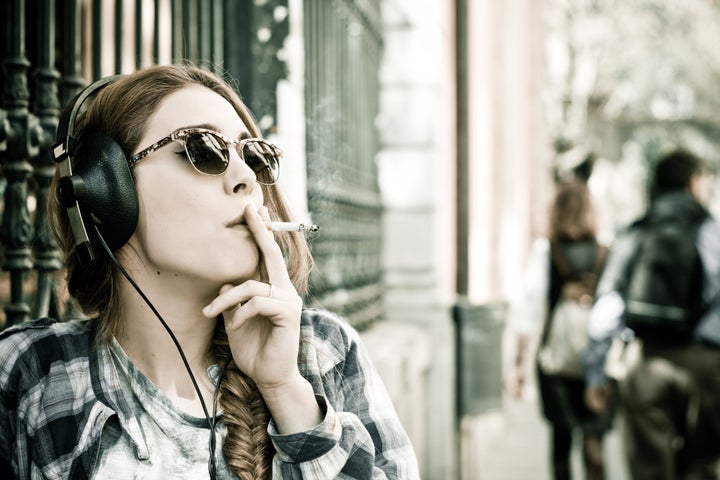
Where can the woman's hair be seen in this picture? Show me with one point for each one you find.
(121, 110)
(572, 216)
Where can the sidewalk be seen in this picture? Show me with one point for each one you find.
(512, 444)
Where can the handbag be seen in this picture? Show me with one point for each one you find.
(565, 334)
(566, 340)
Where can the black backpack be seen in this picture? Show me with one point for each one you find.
(577, 286)
(663, 293)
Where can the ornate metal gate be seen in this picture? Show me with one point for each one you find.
(49, 55)
(343, 46)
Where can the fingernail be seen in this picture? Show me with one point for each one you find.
(265, 216)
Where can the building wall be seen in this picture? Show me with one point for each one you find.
(510, 176)
(509, 147)
(417, 174)
(510, 182)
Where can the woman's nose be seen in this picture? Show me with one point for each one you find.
(239, 177)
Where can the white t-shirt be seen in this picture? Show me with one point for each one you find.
(179, 443)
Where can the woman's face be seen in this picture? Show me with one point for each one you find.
(190, 227)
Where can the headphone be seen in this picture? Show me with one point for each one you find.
(95, 186)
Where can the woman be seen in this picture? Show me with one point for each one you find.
(571, 250)
(284, 391)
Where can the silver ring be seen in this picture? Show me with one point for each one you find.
(272, 290)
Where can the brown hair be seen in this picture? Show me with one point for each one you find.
(674, 171)
(572, 216)
(121, 110)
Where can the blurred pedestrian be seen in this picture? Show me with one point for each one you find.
(660, 291)
(562, 267)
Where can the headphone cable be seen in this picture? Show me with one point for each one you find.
(212, 421)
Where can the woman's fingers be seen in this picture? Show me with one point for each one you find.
(267, 309)
(274, 298)
(271, 253)
(232, 297)
(252, 298)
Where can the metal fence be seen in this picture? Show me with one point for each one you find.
(49, 55)
(343, 48)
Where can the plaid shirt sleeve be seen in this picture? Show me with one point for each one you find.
(44, 401)
(15, 378)
(360, 436)
(6, 413)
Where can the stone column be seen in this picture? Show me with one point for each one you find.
(416, 172)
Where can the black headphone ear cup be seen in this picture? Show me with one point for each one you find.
(108, 197)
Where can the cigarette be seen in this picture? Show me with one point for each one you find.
(293, 227)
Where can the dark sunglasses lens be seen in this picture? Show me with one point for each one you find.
(262, 158)
(207, 153)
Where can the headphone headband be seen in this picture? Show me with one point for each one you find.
(65, 133)
(95, 183)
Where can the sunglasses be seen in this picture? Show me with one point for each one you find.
(209, 153)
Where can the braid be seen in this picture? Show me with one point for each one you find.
(247, 447)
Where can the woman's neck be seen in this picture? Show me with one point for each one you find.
(152, 350)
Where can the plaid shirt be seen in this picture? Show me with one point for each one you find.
(57, 392)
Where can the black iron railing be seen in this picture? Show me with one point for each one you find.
(343, 47)
(47, 57)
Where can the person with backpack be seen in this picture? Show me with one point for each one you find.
(559, 286)
(660, 291)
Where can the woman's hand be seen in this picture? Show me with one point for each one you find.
(262, 317)
(597, 399)
(262, 320)
(515, 381)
